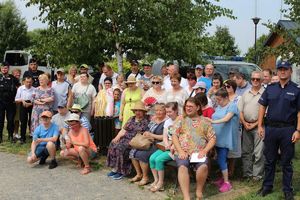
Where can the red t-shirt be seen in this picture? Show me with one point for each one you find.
(207, 112)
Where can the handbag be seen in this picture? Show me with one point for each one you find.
(141, 142)
(83, 100)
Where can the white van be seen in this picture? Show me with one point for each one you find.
(20, 59)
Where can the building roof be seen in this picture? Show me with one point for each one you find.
(287, 25)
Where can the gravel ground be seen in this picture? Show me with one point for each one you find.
(18, 180)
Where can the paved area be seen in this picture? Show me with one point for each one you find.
(18, 180)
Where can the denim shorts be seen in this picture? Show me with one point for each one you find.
(188, 164)
(41, 151)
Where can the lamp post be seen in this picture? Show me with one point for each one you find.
(255, 21)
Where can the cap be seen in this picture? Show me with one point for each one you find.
(72, 117)
(146, 64)
(46, 113)
(283, 64)
(62, 104)
(84, 66)
(60, 70)
(200, 84)
(199, 67)
(76, 107)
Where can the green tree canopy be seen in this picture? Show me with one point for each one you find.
(260, 50)
(222, 43)
(13, 28)
(88, 31)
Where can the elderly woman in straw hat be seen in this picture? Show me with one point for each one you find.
(118, 151)
(80, 144)
(140, 158)
(130, 96)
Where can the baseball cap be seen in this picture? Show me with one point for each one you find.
(84, 66)
(199, 67)
(200, 84)
(62, 104)
(60, 70)
(46, 113)
(283, 64)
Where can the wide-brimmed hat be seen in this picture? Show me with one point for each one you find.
(76, 107)
(139, 106)
(131, 79)
(73, 117)
(46, 113)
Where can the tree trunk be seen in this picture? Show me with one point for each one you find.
(119, 57)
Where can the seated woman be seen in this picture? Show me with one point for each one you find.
(79, 145)
(158, 159)
(193, 133)
(140, 158)
(119, 148)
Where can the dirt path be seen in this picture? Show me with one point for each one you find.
(18, 180)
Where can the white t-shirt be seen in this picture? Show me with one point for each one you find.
(178, 96)
(168, 125)
(114, 79)
(79, 89)
(167, 83)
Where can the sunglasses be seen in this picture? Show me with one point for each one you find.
(227, 86)
(255, 79)
(76, 112)
(155, 82)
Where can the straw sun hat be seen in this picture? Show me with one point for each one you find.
(139, 106)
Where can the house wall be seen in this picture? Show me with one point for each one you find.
(270, 61)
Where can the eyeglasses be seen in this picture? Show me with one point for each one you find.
(155, 82)
(255, 79)
(76, 112)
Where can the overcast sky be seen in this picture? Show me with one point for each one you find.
(242, 28)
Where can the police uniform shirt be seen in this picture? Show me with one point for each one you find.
(283, 103)
(8, 88)
(34, 76)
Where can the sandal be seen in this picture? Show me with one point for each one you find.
(156, 188)
(135, 179)
(86, 170)
(143, 182)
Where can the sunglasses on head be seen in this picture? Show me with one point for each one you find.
(155, 82)
(255, 79)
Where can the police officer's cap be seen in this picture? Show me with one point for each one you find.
(284, 64)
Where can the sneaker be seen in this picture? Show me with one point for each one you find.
(111, 174)
(225, 187)
(53, 164)
(17, 136)
(118, 176)
(42, 160)
(219, 182)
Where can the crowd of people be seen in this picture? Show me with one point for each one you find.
(188, 120)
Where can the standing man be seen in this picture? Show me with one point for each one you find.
(267, 77)
(97, 75)
(282, 128)
(209, 71)
(173, 69)
(199, 72)
(33, 72)
(134, 70)
(8, 90)
(242, 84)
(62, 90)
(24, 97)
(107, 72)
(84, 68)
(145, 80)
(252, 145)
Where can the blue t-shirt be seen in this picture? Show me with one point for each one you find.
(207, 81)
(227, 132)
(41, 132)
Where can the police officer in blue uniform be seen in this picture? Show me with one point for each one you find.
(8, 90)
(280, 128)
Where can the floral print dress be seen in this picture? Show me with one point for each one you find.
(38, 109)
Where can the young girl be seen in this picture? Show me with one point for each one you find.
(117, 104)
(158, 158)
